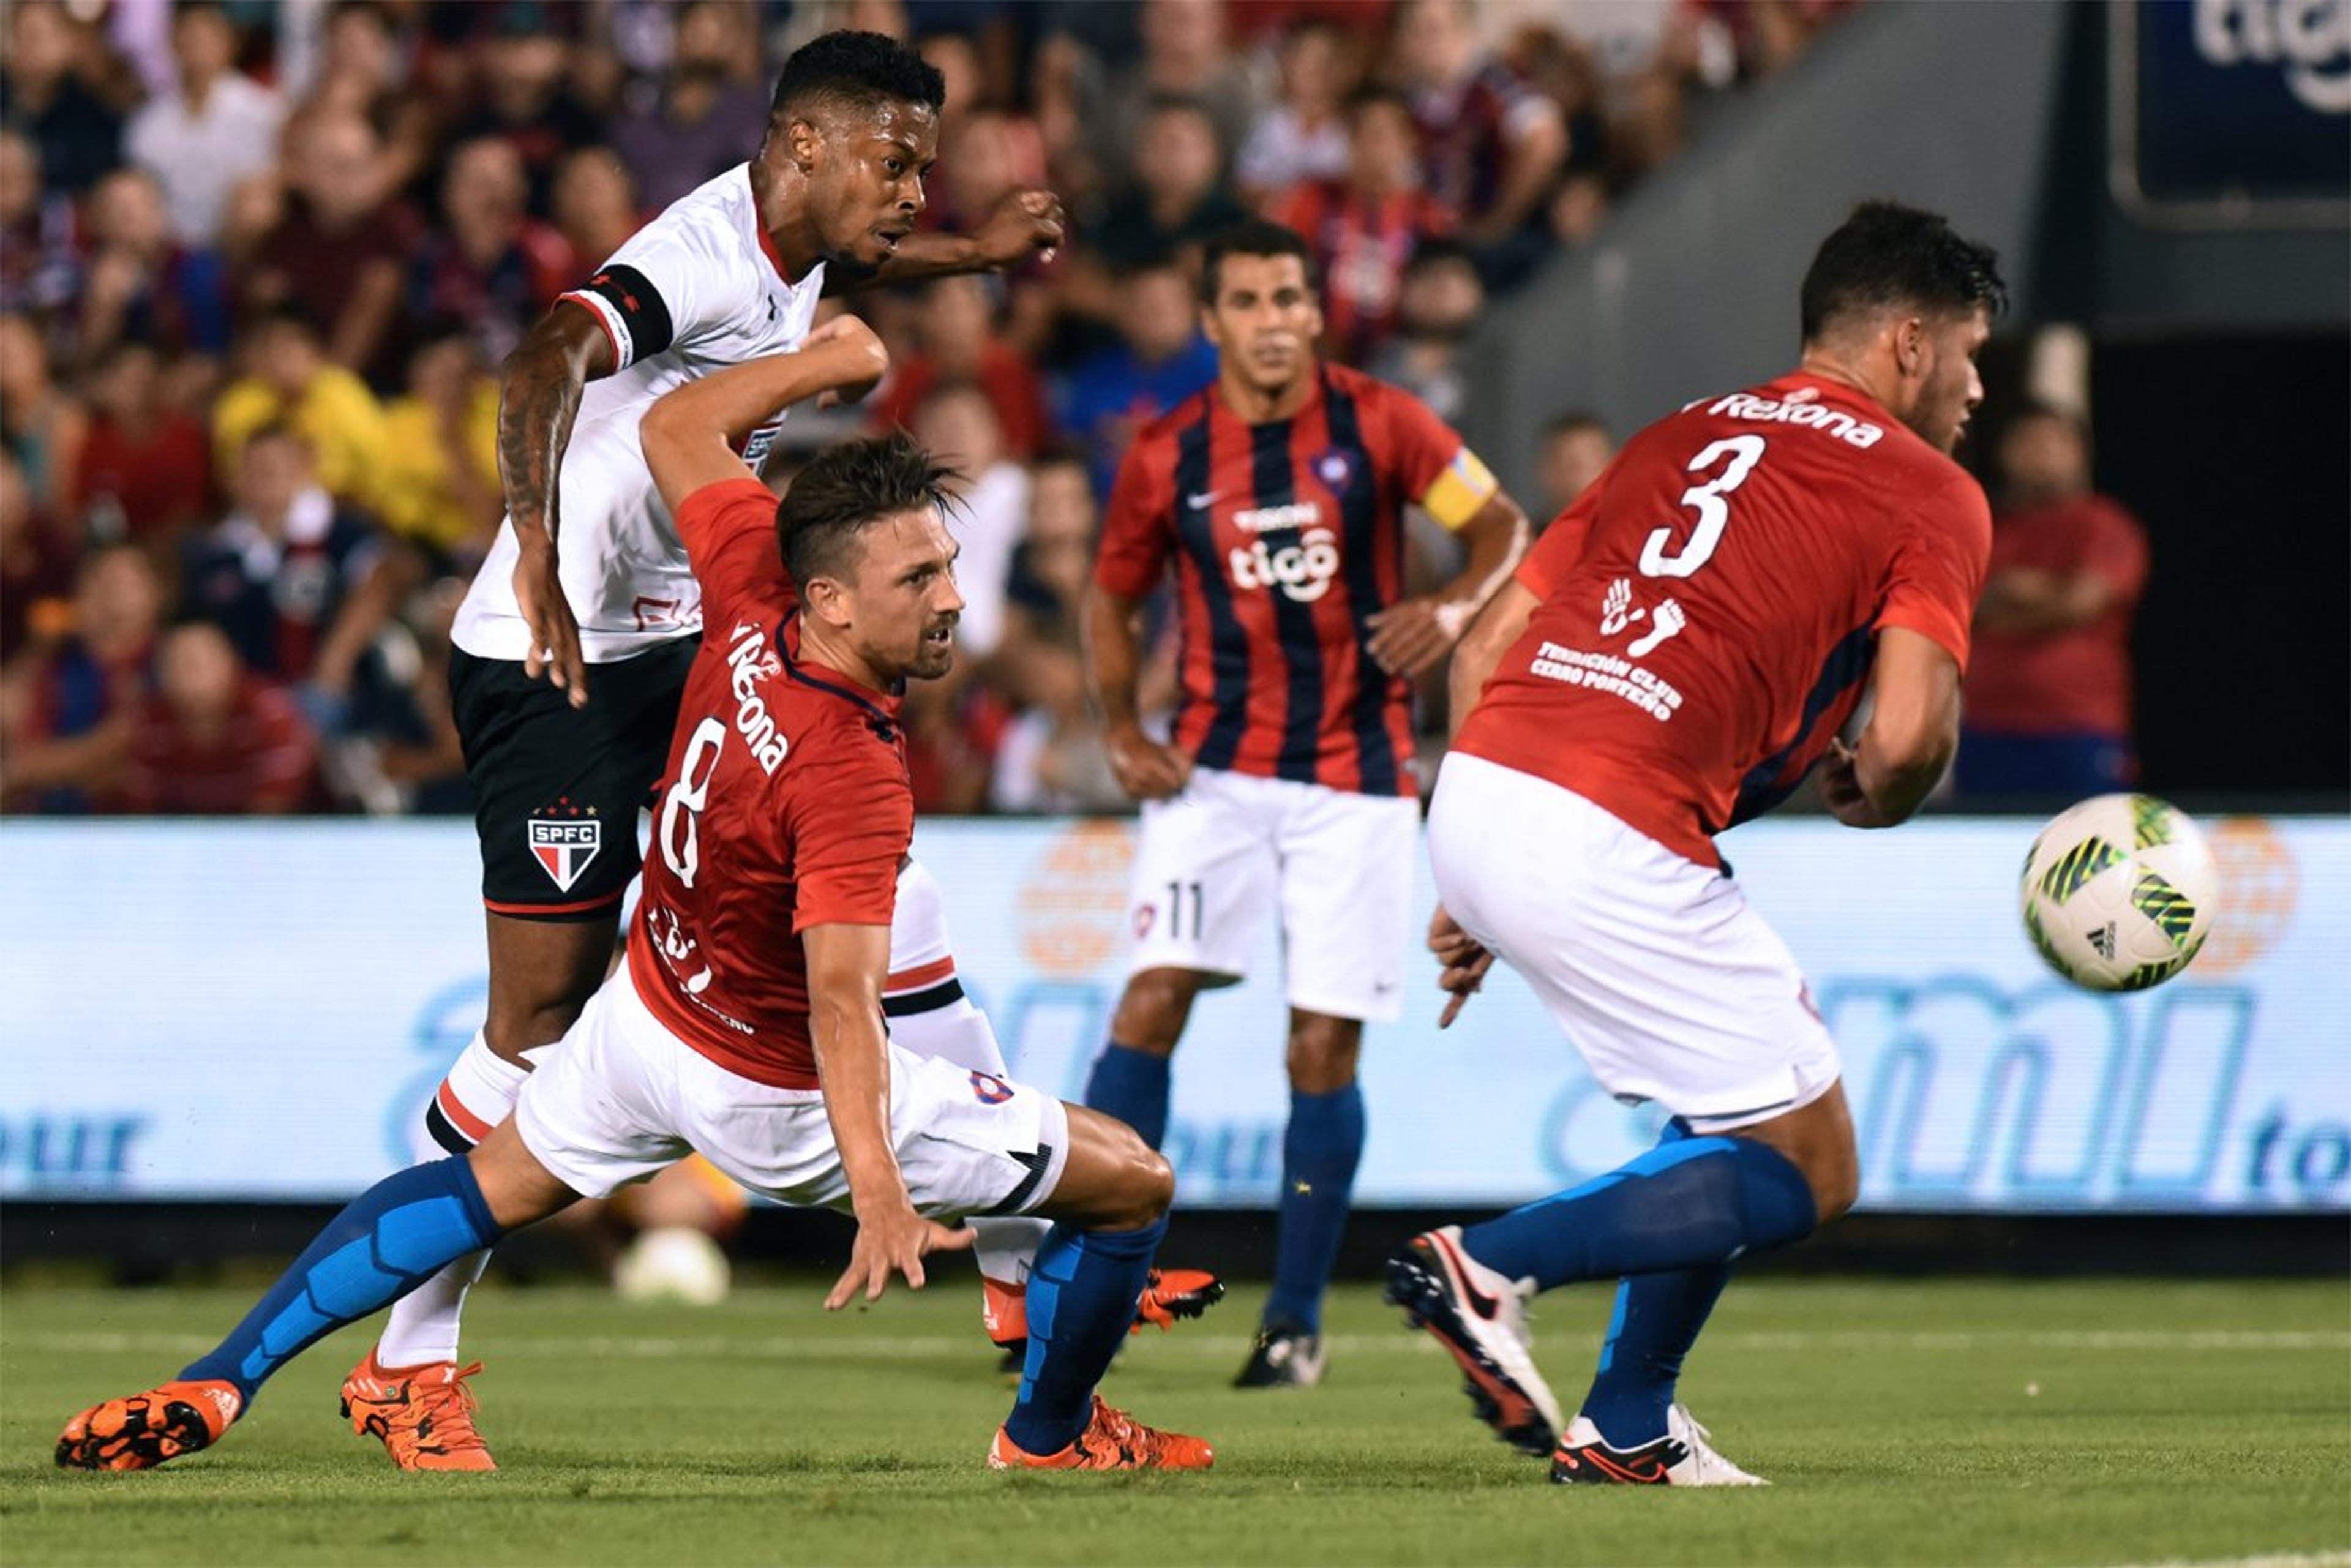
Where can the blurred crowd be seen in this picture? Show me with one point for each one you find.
(260, 261)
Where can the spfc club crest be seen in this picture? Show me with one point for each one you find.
(564, 838)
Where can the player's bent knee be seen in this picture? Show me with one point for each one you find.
(516, 1189)
(1113, 1180)
(1323, 1052)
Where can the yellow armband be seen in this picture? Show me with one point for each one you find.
(1457, 493)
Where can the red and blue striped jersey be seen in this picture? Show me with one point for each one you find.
(1287, 537)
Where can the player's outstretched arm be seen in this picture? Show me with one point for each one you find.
(1413, 633)
(1146, 769)
(1025, 222)
(689, 434)
(1913, 731)
(846, 965)
(539, 399)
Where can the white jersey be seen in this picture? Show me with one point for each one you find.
(698, 290)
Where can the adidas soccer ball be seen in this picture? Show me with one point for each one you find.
(674, 1264)
(2119, 893)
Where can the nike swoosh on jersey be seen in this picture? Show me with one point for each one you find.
(1200, 501)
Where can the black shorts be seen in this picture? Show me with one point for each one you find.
(557, 790)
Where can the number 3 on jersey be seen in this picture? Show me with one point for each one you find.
(1743, 451)
(681, 845)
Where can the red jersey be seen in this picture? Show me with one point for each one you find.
(784, 805)
(2074, 680)
(1710, 605)
(1287, 537)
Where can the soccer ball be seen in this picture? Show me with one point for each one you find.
(674, 1264)
(2119, 893)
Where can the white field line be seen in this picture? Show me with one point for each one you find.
(880, 1342)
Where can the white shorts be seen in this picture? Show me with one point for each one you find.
(1213, 860)
(621, 1097)
(1673, 988)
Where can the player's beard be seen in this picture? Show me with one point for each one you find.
(934, 659)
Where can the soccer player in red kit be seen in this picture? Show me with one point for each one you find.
(1681, 648)
(747, 1022)
(1289, 783)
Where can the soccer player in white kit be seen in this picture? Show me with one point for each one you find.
(747, 1022)
(590, 574)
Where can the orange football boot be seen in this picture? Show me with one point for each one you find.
(142, 1431)
(1172, 1293)
(423, 1415)
(1113, 1440)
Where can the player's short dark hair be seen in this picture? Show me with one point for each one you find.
(1886, 255)
(845, 489)
(1574, 420)
(1375, 95)
(859, 70)
(1252, 236)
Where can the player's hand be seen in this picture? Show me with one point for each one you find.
(554, 634)
(863, 358)
(1146, 769)
(894, 1241)
(1409, 636)
(1025, 222)
(1841, 790)
(1465, 960)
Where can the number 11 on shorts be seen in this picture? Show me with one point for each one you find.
(1175, 891)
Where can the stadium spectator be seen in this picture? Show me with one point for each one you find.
(596, 205)
(1493, 145)
(141, 283)
(296, 581)
(286, 380)
(39, 271)
(364, 72)
(957, 341)
(340, 249)
(145, 472)
(1051, 756)
(213, 131)
(441, 479)
(1303, 137)
(68, 704)
(42, 423)
(957, 424)
(491, 263)
(1442, 299)
(704, 114)
(397, 750)
(1178, 197)
(1184, 58)
(213, 739)
(1576, 448)
(523, 100)
(2049, 688)
(36, 575)
(1365, 228)
(77, 133)
(1160, 359)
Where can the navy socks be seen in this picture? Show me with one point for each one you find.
(1687, 1203)
(390, 1238)
(1131, 1086)
(1320, 1152)
(1081, 1292)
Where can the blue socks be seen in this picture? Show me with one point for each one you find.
(1131, 1086)
(1686, 1203)
(390, 1237)
(1081, 1292)
(1319, 1157)
(1658, 1317)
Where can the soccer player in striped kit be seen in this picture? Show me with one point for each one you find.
(1290, 782)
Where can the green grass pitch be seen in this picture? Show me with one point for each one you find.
(1914, 1421)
